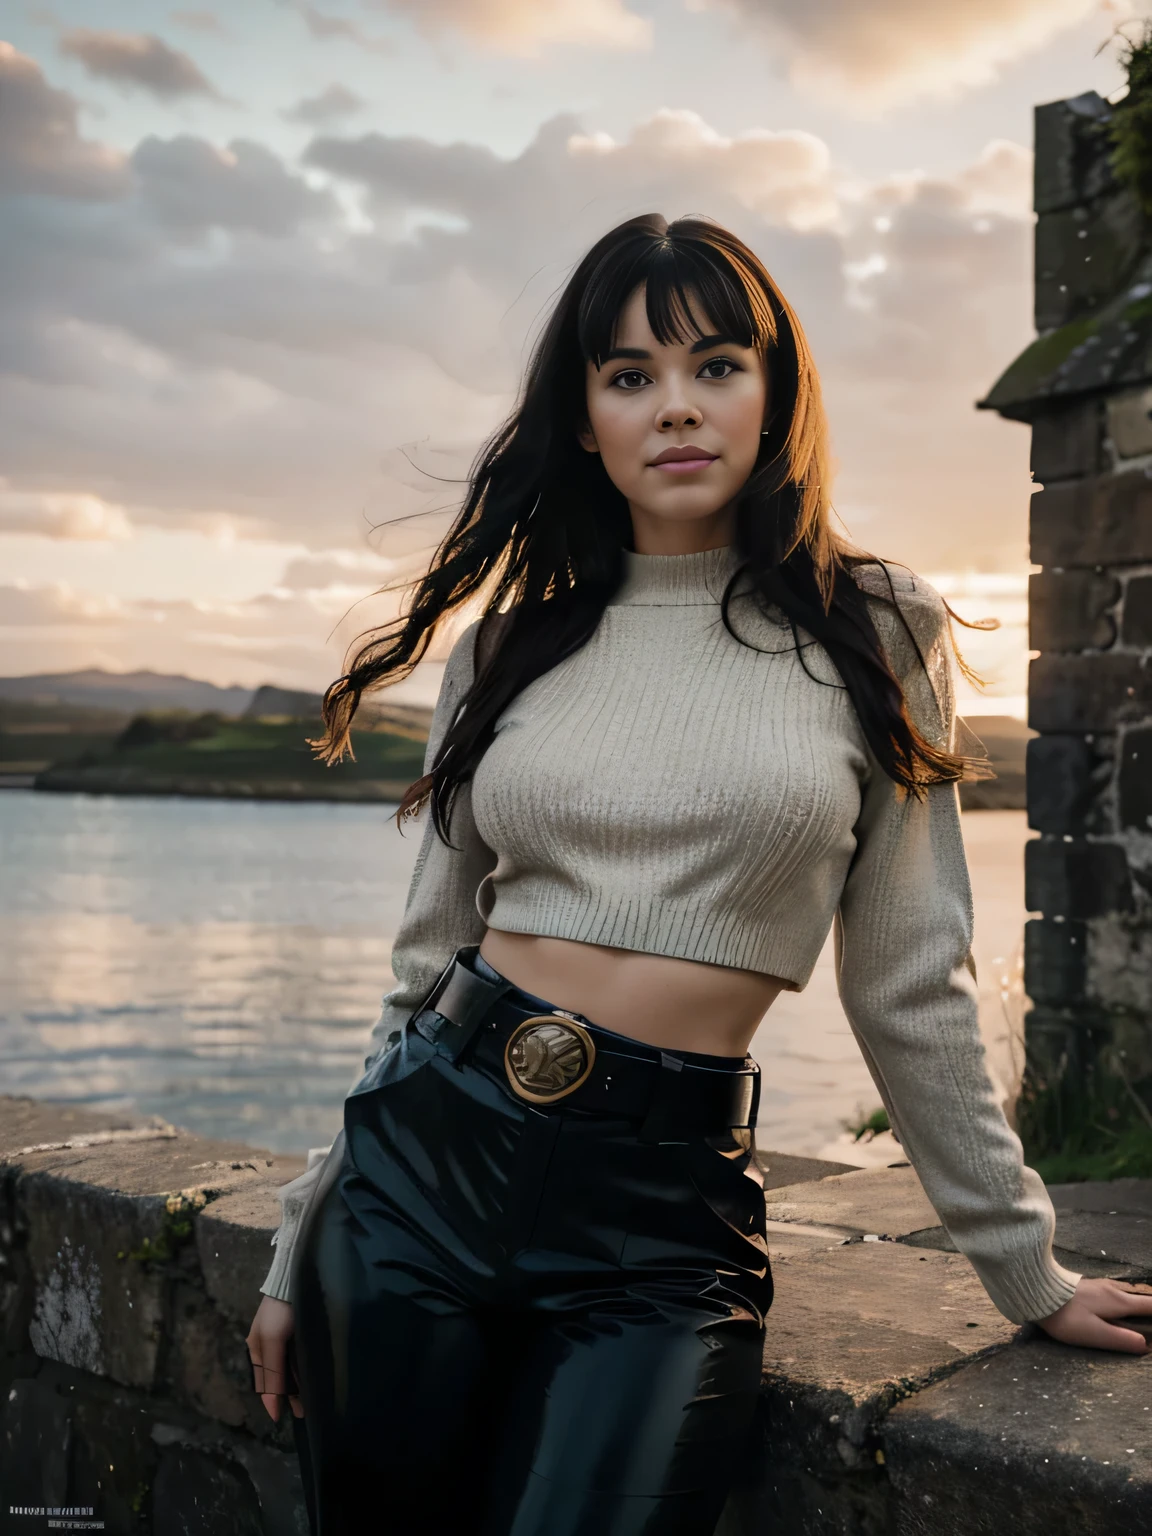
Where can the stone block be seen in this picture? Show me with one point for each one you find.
(1134, 781)
(855, 1327)
(1104, 520)
(1078, 879)
(234, 1241)
(1084, 255)
(73, 1441)
(1136, 620)
(1060, 784)
(206, 1365)
(1071, 164)
(1129, 421)
(96, 1308)
(1070, 694)
(781, 1168)
(1039, 1440)
(1066, 442)
(199, 1494)
(884, 1201)
(1055, 961)
(1068, 610)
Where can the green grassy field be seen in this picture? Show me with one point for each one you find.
(173, 753)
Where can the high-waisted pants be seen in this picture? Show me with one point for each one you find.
(521, 1321)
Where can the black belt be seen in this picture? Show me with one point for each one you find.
(551, 1058)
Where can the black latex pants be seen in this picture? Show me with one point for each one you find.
(514, 1321)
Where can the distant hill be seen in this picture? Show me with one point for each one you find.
(129, 691)
(269, 701)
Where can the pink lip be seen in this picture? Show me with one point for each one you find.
(683, 460)
(684, 466)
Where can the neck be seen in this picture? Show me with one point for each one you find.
(662, 536)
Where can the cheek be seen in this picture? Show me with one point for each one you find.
(621, 430)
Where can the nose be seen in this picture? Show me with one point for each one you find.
(676, 412)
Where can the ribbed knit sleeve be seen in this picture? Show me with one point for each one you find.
(903, 938)
(440, 915)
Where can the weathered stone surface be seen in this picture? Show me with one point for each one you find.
(1084, 255)
(1119, 1239)
(1136, 625)
(1077, 879)
(782, 1168)
(1087, 693)
(1055, 961)
(1134, 781)
(1069, 167)
(884, 1201)
(1061, 785)
(1039, 1440)
(855, 1327)
(202, 1495)
(1066, 442)
(1112, 1197)
(1106, 520)
(234, 1241)
(1068, 610)
(1129, 419)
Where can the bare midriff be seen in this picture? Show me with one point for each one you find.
(678, 1005)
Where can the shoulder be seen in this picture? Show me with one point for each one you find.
(900, 600)
(473, 647)
(911, 619)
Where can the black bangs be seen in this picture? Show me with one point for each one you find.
(687, 282)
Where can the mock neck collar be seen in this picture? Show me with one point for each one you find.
(670, 580)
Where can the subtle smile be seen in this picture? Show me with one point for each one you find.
(682, 461)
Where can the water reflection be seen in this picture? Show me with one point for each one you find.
(221, 963)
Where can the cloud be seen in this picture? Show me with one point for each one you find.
(189, 184)
(327, 106)
(525, 26)
(327, 28)
(66, 516)
(892, 50)
(222, 342)
(200, 21)
(41, 150)
(135, 59)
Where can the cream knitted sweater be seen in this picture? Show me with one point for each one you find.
(670, 790)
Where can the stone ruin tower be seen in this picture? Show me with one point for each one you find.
(1085, 386)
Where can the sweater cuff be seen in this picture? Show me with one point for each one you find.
(294, 1197)
(1027, 1287)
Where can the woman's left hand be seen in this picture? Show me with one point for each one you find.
(1087, 1318)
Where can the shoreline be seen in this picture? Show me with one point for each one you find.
(95, 782)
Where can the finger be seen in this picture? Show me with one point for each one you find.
(1125, 1339)
(297, 1407)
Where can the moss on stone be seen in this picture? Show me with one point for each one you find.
(1130, 128)
(176, 1228)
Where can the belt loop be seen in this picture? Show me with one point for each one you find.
(662, 1122)
(467, 998)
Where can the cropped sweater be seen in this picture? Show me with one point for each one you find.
(671, 790)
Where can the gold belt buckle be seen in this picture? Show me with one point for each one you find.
(547, 1058)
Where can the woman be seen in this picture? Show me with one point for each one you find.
(526, 1290)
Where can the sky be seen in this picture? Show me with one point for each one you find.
(271, 271)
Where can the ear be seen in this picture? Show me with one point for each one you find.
(587, 439)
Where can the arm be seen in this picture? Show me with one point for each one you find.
(440, 915)
(907, 981)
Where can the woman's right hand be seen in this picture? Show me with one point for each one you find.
(267, 1341)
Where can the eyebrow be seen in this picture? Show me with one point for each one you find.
(640, 355)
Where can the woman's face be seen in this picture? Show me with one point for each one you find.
(678, 428)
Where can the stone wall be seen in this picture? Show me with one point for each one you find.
(1085, 386)
(896, 1400)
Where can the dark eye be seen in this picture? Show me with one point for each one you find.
(629, 378)
(715, 363)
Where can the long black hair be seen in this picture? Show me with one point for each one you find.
(542, 529)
